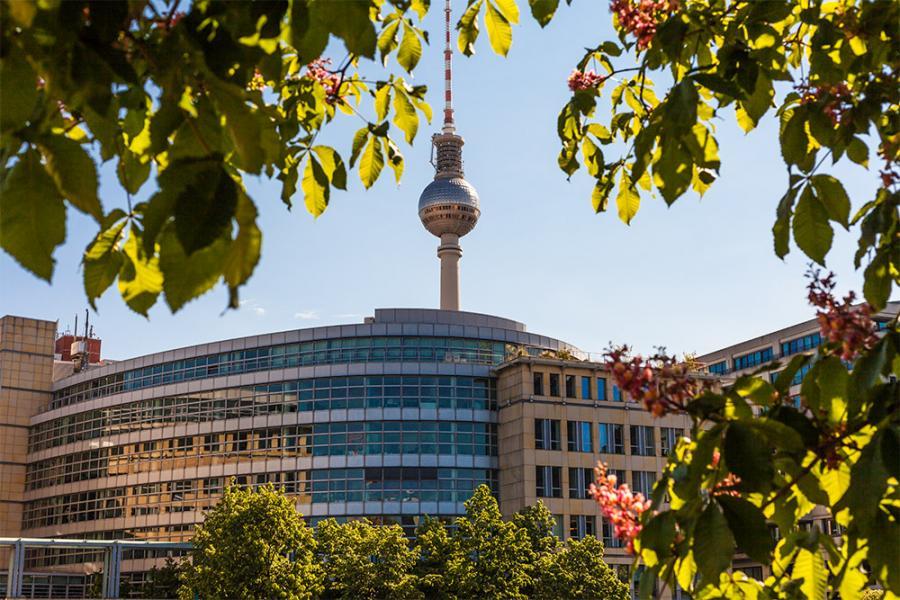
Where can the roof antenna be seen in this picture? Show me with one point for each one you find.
(449, 126)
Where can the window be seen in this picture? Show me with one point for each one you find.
(642, 441)
(582, 526)
(546, 434)
(801, 344)
(719, 368)
(608, 533)
(586, 388)
(612, 438)
(558, 526)
(548, 482)
(554, 384)
(668, 439)
(753, 359)
(601, 388)
(642, 481)
(579, 436)
(538, 384)
(580, 480)
(801, 373)
(570, 386)
(617, 393)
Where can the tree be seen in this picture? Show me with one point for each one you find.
(577, 570)
(202, 97)
(180, 94)
(365, 561)
(253, 544)
(435, 552)
(492, 556)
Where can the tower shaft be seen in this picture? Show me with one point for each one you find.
(449, 252)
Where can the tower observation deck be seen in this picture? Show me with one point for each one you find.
(449, 206)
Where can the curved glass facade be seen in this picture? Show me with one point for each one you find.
(392, 419)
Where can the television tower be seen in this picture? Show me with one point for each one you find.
(448, 207)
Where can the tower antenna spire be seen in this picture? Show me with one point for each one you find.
(449, 206)
(449, 126)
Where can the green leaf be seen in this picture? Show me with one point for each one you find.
(333, 165)
(32, 215)
(18, 88)
(593, 157)
(751, 110)
(205, 204)
(672, 171)
(810, 567)
(247, 127)
(387, 39)
(382, 98)
(627, 201)
(410, 49)
(748, 456)
(812, 231)
(133, 171)
(878, 280)
(351, 22)
(405, 116)
(795, 143)
(102, 262)
(498, 29)
(395, 158)
(858, 152)
(74, 172)
(371, 163)
(748, 524)
(245, 251)
(359, 142)
(187, 277)
(659, 533)
(781, 231)
(832, 379)
(140, 280)
(713, 543)
(832, 194)
(543, 10)
(468, 28)
(681, 107)
(309, 36)
(508, 8)
(315, 187)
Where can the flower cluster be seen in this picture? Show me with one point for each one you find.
(836, 100)
(619, 505)
(641, 17)
(331, 81)
(660, 382)
(586, 80)
(258, 82)
(841, 322)
(890, 153)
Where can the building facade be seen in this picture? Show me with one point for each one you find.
(399, 417)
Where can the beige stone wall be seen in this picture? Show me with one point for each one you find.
(518, 456)
(26, 377)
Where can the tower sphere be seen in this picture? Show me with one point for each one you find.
(449, 205)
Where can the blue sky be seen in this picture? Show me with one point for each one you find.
(694, 277)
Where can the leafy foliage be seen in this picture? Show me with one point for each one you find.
(366, 562)
(253, 544)
(517, 558)
(833, 66)
(189, 104)
(757, 460)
